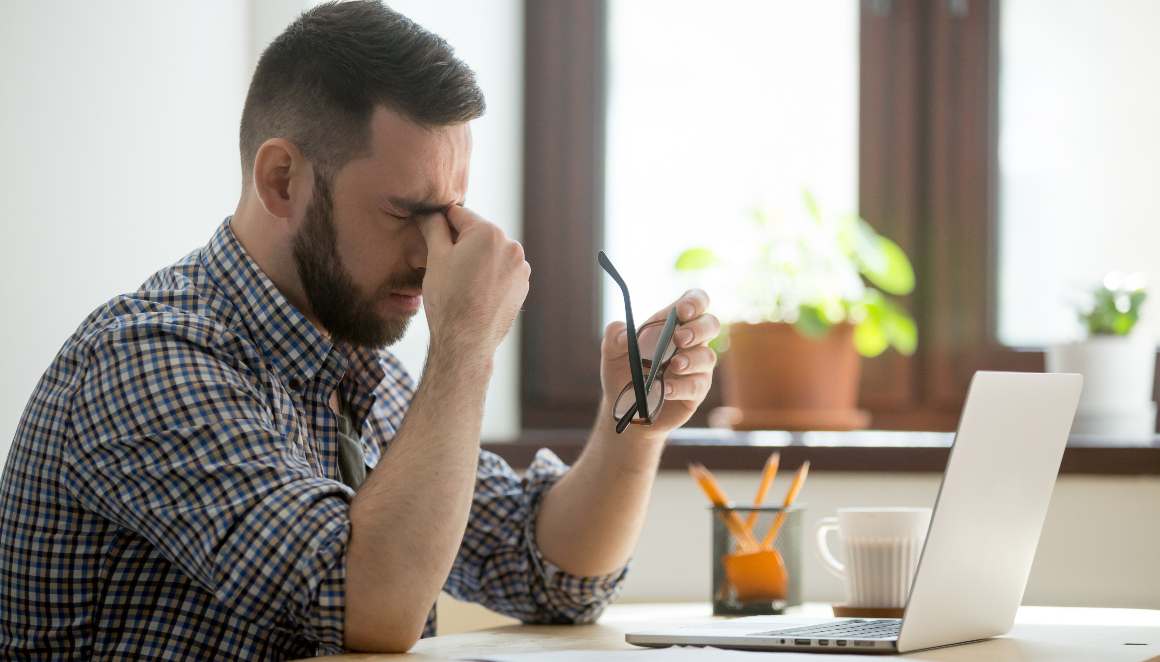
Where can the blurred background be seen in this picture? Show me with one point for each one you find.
(959, 184)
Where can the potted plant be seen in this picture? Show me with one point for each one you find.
(1117, 361)
(810, 295)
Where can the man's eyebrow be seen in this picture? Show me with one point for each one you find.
(416, 206)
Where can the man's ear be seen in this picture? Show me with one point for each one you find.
(283, 179)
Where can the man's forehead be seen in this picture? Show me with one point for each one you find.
(422, 152)
(419, 163)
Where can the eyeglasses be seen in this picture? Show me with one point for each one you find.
(641, 400)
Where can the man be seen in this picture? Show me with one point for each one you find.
(228, 464)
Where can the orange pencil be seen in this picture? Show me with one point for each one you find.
(794, 488)
(767, 476)
(717, 496)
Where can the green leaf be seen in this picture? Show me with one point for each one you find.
(1113, 312)
(811, 205)
(720, 344)
(761, 217)
(811, 323)
(860, 242)
(900, 330)
(1122, 324)
(869, 338)
(892, 272)
(694, 259)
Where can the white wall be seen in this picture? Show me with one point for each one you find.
(119, 135)
(119, 143)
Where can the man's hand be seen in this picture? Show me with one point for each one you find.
(474, 284)
(590, 520)
(407, 519)
(689, 374)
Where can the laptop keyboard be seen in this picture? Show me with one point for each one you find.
(884, 628)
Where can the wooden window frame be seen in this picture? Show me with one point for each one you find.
(928, 173)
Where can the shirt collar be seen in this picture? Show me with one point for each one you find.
(296, 349)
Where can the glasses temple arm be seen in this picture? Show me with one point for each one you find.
(633, 348)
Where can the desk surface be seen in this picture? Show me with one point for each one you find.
(1059, 634)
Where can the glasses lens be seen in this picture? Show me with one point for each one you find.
(627, 399)
(648, 338)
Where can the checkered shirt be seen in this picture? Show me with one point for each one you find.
(173, 490)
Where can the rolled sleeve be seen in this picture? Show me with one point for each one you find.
(500, 565)
(324, 620)
(200, 469)
(565, 597)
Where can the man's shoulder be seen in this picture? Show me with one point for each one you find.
(176, 310)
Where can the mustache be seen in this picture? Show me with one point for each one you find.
(410, 281)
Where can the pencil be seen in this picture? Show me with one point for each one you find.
(794, 488)
(767, 476)
(716, 495)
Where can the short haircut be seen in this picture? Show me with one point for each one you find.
(318, 83)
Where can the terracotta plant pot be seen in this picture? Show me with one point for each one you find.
(775, 378)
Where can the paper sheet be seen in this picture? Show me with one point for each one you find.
(671, 654)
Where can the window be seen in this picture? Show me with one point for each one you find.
(929, 172)
(1078, 166)
(713, 110)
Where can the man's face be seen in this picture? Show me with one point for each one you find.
(359, 251)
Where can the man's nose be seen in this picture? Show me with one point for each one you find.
(416, 247)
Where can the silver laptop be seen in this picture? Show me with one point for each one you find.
(980, 544)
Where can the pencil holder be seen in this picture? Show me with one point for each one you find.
(751, 582)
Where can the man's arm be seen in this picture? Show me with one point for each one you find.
(408, 518)
(590, 520)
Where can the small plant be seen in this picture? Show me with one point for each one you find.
(814, 271)
(1114, 307)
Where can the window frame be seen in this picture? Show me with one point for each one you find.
(928, 173)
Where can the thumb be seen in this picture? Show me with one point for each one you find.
(461, 218)
(436, 233)
(615, 343)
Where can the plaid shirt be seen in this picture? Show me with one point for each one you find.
(173, 487)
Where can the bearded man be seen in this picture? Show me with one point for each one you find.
(228, 463)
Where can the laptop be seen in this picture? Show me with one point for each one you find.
(980, 544)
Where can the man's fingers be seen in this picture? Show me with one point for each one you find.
(690, 306)
(461, 218)
(687, 387)
(693, 360)
(436, 232)
(697, 332)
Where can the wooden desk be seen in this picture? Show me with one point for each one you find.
(1058, 634)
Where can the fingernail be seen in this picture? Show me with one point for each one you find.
(681, 363)
(684, 336)
(668, 389)
(686, 312)
(622, 337)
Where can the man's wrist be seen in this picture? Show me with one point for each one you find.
(463, 361)
(605, 422)
(638, 447)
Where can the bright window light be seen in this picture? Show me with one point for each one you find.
(715, 109)
(1079, 159)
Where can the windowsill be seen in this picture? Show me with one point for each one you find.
(867, 450)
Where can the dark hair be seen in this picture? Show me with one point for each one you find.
(318, 83)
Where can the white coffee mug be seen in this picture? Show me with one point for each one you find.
(881, 547)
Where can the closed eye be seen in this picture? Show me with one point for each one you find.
(397, 217)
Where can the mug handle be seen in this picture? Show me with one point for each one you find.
(836, 567)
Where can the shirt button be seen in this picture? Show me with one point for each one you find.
(295, 384)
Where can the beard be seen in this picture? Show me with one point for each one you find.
(343, 310)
